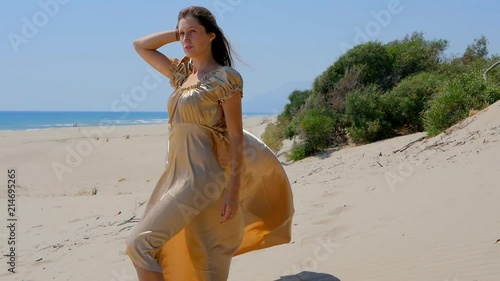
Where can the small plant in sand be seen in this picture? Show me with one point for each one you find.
(92, 191)
(83, 193)
(127, 137)
(122, 180)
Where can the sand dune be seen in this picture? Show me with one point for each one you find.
(384, 211)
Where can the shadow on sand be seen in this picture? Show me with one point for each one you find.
(309, 276)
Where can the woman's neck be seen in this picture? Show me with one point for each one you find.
(204, 64)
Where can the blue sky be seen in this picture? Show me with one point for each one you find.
(77, 55)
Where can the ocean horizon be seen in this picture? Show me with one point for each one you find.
(40, 120)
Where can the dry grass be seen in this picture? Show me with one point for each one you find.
(473, 112)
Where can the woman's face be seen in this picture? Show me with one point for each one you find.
(194, 39)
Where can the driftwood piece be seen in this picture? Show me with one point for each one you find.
(130, 220)
(408, 145)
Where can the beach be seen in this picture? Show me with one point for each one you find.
(407, 208)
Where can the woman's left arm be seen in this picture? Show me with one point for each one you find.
(234, 122)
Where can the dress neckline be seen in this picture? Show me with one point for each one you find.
(204, 77)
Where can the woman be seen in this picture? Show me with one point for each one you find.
(223, 192)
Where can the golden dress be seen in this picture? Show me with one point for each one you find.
(180, 234)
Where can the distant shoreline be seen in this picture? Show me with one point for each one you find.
(46, 120)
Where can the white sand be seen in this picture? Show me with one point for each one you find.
(430, 212)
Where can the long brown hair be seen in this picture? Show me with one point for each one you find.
(221, 48)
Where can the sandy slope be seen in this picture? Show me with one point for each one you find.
(429, 212)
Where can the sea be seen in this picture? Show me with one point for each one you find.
(41, 120)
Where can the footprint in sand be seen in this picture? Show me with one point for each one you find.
(339, 210)
(331, 215)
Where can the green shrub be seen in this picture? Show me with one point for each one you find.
(458, 98)
(297, 100)
(493, 75)
(276, 132)
(273, 136)
(478, 50)
(291, 128)
(317, 128)
(376, 91)
(293, 109)
(405, 104)
(352, 80)
(414, 54)
(453, 68)
(456, 68)
(365, 113)
(297, 152)
(371, 58)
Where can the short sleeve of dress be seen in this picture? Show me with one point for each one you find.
(180, 70)
(230, 82)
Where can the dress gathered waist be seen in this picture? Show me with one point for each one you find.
(200, 142)
(189, 127)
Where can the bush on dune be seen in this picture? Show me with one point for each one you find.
(277, 131)
(414, 54)
(366, 116)
(460, 96)
(405, 104)
(371, 59)
(376, 91)
(273, 136)
(316, 129)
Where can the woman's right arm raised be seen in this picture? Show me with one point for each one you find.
(147, 47)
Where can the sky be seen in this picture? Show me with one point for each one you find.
(75, 55)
